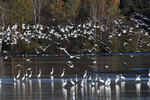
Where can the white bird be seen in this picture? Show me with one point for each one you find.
(72, 82)
(122, 77)
(92, 83)
(37, 51)
(23, 78)
(64, 83)
(76, 78)
(14, 79)
(51, 73)
(138, 78)
(30, 75)
(149, 73)
(82, 83)
(106, 66)
(43, 49)
(69, 54)
(117, 79)
(26, 74)
(96, 78)
(39, 75)
(70, 64)
(107, 82)
(85, 74)
(18, 74)
(63, 73)
(100, 79)
(90, 78)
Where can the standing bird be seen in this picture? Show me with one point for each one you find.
(100, 79)
(85, 74)
(18, 75)
(23, 78)
(39, 75)
(117, 79)
(138, 78)
(63, 73)
(122, 77)
(149, 73)
(30, 75)
(51, 73)
(64, 83)
(76, 78)
(26, 74)
(72, 82)
(107, 82)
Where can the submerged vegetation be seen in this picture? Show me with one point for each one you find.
(80, 26)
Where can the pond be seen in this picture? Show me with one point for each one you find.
(76, 83)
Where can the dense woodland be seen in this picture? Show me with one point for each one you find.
(77, 11)
(60, 13)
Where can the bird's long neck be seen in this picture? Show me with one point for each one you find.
(31, 73)
(52, 70)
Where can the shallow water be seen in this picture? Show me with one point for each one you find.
(48, 89)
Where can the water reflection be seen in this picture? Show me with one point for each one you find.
(117, 92)
(30, 89)
(90, 84)
(138, 90)
(39, 89)
(0, 88)
(43, 89)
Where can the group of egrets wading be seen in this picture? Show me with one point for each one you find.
(81, 80)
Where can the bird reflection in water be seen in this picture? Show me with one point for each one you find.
(18, 89)
(30, 88)
(138, 90)
(39, 88)
(52, 86)
(108, 92)
(123, 84)
(117, 92)
(23, 90)
(64, 91)
(0, 88)
(72, 91)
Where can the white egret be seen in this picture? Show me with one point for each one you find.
(51, 73)
(18, 74)
(23, 78)
(39, 75)
(85, 74)
(100, 79)
(76, 78)
(64, 83)
(70, 64)
(30, 75)
(63, 73)
(72, 82)
(117, 79)
(149, 73)
(138, 78)
(107, 82)
(122, 77)
(26, 74)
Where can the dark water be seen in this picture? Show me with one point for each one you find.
(48, 89)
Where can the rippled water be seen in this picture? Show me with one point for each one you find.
(46, 88)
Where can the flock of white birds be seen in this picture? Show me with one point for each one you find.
(102, 34)
(57, 34)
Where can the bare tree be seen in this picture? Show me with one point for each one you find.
(37, 6)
